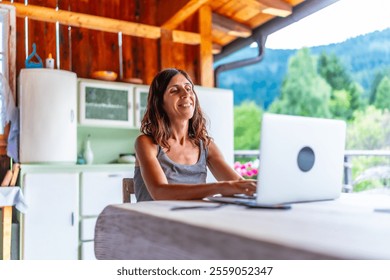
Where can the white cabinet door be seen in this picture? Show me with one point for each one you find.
(50, 225)
(99, 189)
(141, 100)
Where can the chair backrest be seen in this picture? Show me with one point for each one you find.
(127, 189)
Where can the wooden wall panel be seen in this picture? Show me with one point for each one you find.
(40, 33)
(64, 40)
(140, 56)
(94, 50)
(20, 43)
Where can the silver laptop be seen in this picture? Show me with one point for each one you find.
(301, 160)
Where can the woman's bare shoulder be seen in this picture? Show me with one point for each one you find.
(144, 141)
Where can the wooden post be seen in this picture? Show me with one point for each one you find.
(206, 47)
(166, 49)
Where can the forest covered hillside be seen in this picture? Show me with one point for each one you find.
(362, 56)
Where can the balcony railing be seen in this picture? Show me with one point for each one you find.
(348, 181)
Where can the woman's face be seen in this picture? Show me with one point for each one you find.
(179, 99)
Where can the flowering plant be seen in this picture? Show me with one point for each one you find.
(247, 169)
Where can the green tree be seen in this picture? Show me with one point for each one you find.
(340, 104)
(356, 92)
(343, 103)
(369, 130)
(382, 95)
(247, 120)
(333, 71)
(303, 92)
(375, 83)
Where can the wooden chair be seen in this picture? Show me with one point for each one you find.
(128, 189)
(9, 180)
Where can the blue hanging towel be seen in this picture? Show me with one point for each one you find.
(30, 64)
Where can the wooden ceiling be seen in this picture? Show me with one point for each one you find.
(235, 19)
(231, 19)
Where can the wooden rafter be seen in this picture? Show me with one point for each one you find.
(276, 7)
(100, 23)
(230, 27)
(181, 15)
(217, 48)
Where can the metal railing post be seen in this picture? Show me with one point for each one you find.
(347, 187)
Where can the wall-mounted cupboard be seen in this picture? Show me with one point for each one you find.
(111, 104)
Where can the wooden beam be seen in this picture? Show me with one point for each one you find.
(86, 21)
(166, 47)
(181, 15)
(206, 47)
(217, 48)
(276, 7)
(230, 27)
(99, 23)
(185, 37)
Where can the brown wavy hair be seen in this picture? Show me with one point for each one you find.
(156, 123)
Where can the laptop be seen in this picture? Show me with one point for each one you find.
(301, 160)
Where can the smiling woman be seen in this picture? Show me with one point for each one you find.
(174, 151)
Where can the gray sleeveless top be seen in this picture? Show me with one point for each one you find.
(176, 173)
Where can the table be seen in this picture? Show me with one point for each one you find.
(9, 196)
(355, 226)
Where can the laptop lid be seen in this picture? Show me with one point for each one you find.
(301, 159)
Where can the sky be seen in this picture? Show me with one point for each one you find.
(334, 24)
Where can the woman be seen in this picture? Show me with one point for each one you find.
(174, 151)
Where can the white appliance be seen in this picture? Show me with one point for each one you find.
(217, 105)
(48, 120)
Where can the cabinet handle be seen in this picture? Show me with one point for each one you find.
(71, 116)
(113, 175)
(72, 219)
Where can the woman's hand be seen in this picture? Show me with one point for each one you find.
(247, 187)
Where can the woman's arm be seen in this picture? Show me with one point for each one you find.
(157, 183)
(218, 166)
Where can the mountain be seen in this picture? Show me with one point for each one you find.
(363, 56)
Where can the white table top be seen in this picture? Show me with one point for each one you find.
(346, 228)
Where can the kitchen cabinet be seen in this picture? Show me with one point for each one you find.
(50, 225)
(141, 100)
(103, 103)
(111, 104)
(63, 204)
(97, 190)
